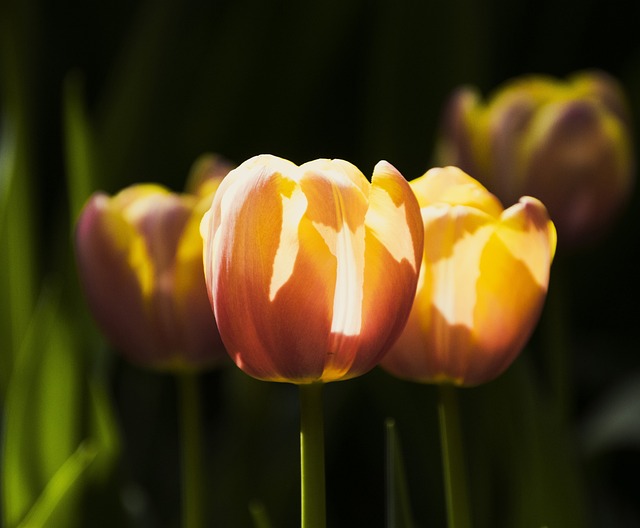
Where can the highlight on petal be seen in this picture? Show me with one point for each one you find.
(293, 207)
(482, 283)
(388, 208)
(288, 258)
(450, 185)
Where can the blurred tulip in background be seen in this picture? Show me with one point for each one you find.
(567, 143)
(139, 256)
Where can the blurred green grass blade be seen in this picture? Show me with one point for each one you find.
(43, 412)
(7, 345)
(59, 487)
(17, 278)
(104, 430)
(7, 168)
(614, 422)
(259, 515)
(79, 147)
(398, 504)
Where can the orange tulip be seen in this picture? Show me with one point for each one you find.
(482, 284)
(567, 143)
(311, 269)
(139, 257)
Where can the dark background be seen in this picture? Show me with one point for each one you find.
(165, 81)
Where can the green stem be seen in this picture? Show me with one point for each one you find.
(312, 457)
(556, 333)
(455, 481)
(192, 478)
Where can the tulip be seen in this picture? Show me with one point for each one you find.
(139, 257)
(311, 272)
(483, 281)
(566, 143)
(311, 269)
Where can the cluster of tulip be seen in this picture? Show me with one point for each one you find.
(316, 274)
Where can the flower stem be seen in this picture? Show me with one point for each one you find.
(312, 457)
(455, 481)
(189, 396)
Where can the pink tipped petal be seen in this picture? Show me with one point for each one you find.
(600, 86)
(483, 280)
(246, 227)
(392, 203)
(579, 157)
(116, 275)
(140, 260)
(518, 255)
(287, 260)
(393, 254)
(568, 143)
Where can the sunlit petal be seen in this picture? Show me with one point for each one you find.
(288, 254)
(482, 283)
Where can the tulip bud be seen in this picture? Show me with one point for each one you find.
(482, 284)
(139, 257)
(311, 269)
(566, 143)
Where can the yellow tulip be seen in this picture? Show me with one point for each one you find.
(482, 284)
(139, 257)
(311, 269)
(567, 143)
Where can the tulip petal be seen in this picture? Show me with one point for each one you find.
(569, 148)
(117, 276)
(456, 142)
(192, 307)
(286, 262)
(567, 143)
(394, 241)
(337, 209)
(518, 255)
(481, 286)
(242, 234)
(598, 85)
(452, 186)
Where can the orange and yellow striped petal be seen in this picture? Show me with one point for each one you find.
(482, 283)
(288, 260)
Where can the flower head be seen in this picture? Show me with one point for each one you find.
(483, 281)
(139, 257)
(311, 269)
(566, 143)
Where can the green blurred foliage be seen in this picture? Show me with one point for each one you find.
(99, 96)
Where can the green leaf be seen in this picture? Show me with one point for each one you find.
(613, 423)
(398, 504)
(43, 413)
(60, 487)
(79, 147)
(103, 430)
(259, 514)
(17, 237)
